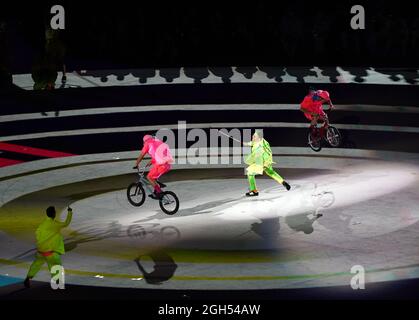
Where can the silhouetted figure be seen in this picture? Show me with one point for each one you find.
(302, 222)
(398, 74)
(392, 73)
(411, 76)
(144, 74)
(300, 73)
(170, 74)
(275, 73)
(225, 73)
(197, 74)
(164, 268)
(121, 74)
(330, 72)
(248, 72)
(44, 74)
(104, 75)
(358, 72)
(49, 62)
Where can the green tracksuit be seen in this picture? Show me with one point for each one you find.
(49, 243)
(259, 161)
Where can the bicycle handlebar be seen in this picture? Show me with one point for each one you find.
(327, 111)
(140, 170)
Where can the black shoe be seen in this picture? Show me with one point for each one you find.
(286, 185)
(252, 194)
(27, 283)
(161, 184)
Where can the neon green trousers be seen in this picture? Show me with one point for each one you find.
(40, 260)
(270, 172)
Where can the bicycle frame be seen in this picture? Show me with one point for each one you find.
(165, 197)
(322, 133)
(322, 125)
(143, 180)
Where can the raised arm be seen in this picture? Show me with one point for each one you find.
(67, 220)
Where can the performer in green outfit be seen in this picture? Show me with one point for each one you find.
(259, 161)
(49, 243)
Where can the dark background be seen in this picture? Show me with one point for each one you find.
(131, 34)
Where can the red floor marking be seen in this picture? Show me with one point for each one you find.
(33, 151)
(8, 162)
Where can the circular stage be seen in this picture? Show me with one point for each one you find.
(364, 213)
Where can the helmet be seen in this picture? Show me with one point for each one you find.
(147, 137)
(323, 94)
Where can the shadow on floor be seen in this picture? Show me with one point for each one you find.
(164, 267)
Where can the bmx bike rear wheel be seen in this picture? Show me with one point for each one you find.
(315, 144)
(136, 194)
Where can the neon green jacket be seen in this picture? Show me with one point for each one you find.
(48, 234)
(261, 154)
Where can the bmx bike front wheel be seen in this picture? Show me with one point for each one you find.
(169, 202)
(333, 136)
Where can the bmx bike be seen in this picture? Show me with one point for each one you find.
(168, 200)
(325, 133)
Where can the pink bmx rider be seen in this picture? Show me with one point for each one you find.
(312, 106)
(161, 159)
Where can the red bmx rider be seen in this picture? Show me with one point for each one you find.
(312, 106)
(161, 159)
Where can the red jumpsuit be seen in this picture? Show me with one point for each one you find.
(309, 103)
(160, 157)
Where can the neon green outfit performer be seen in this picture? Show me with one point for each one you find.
(49, 243)
(259, 161)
